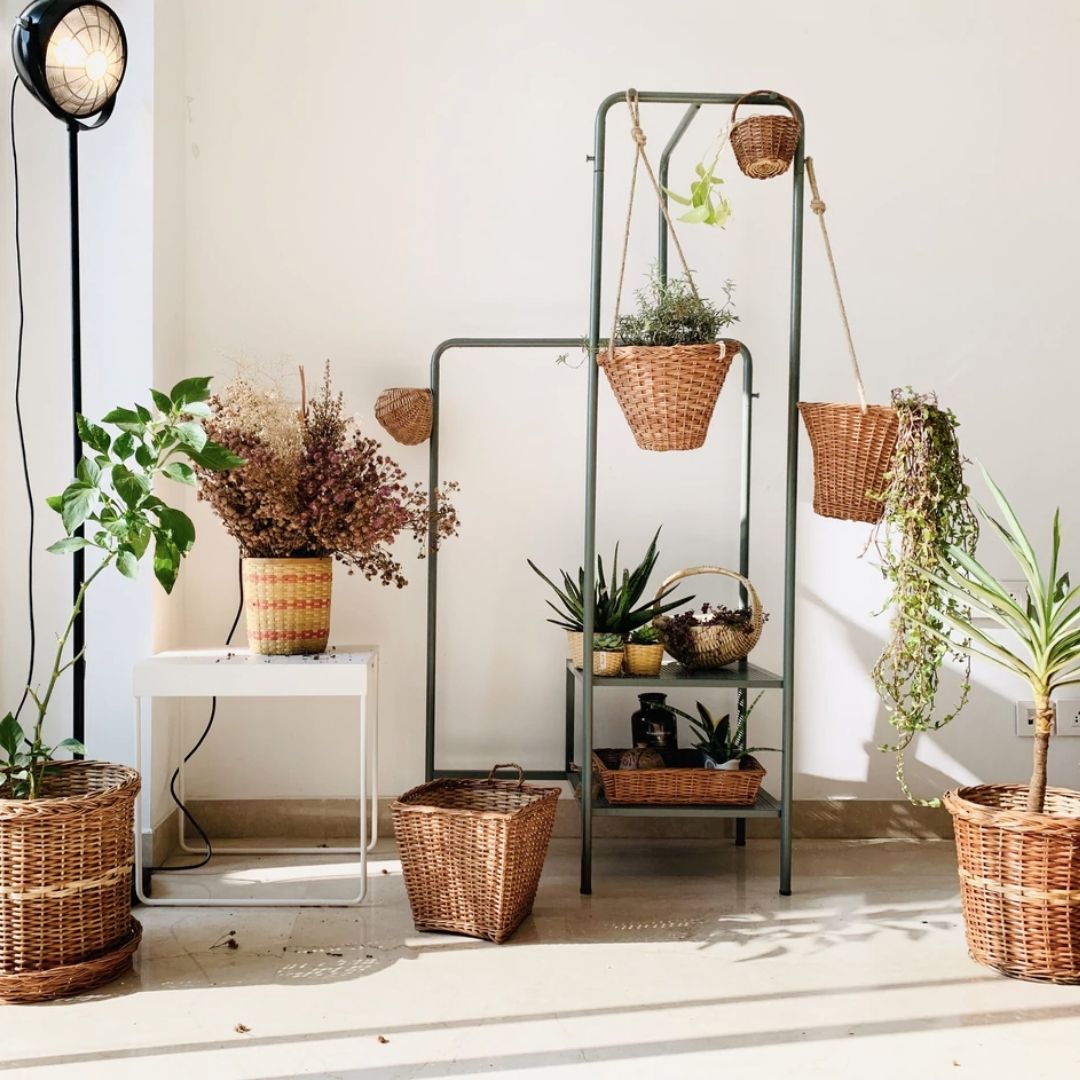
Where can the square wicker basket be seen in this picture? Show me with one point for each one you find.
(472, 852)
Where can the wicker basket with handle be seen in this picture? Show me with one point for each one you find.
(716, 645)
(687, 782)
(472, 852)
(765, 144)
(65, 882)
(405, 413)
(287, 604)
(1020, 879)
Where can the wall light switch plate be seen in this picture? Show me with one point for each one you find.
(1067, 716)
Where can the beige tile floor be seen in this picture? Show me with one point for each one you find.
(684, 963)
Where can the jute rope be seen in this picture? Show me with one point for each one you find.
(817, 204)
(641, 156)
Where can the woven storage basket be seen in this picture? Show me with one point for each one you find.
(65, 883)
(668, 393)
(1020, 880)
(643, 660)
(853, 450)
(688, 783)
(604, 664)
(765, 145)
(405, 414)
(287, 603)
(472, 852)
(713, 646)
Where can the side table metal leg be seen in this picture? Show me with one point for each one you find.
(374, 720)
(140, 892)
(363, 802)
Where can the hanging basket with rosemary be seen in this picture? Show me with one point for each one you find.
(765, 144)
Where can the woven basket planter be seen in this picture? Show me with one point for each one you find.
(643, 660)
(668, 393)
(65, 883)
(287, 605)
(853, 451)
(714, 646)
(605, 664)
(405, 414)
(689, 783)
(764, 145)
(472, 852)
(1020, 880)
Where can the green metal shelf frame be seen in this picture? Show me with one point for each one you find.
(739, 677)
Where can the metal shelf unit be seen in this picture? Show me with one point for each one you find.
(739, 677)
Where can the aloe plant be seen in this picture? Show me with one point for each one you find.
(716, 738)
(1047, 624)
(618, 608)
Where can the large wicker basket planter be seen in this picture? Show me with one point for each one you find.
(472, 852)
(1020, 880)
(65, 883)
(668, 393)
(287, 604)
(604, 664)
(690, 783)
(853, 451)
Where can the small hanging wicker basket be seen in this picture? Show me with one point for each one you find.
(668, 393)
(764, 145)
(713, 646)
(405, 414)
(853, 451)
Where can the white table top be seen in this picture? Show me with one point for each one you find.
(342, 671)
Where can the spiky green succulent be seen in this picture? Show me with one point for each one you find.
(645, 635)
(716, 737)
(608, 642)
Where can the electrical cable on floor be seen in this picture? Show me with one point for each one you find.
(18, 416)
(195, 749)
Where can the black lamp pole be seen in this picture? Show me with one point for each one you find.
(78, 563)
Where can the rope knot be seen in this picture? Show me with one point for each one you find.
(638, 136)
(817, 206)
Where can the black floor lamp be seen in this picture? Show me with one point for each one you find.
(72, 57)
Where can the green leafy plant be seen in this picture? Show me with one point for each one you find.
(926, 515)
(703, 209)
(112, 498)
(671, 313)
(716, 737)
(617, 607)
(678, 634)
(1047, 625)
(645, 635)
(609, 642)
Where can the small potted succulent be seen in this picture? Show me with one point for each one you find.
(722, 747)
(608, 655)
(644, 652)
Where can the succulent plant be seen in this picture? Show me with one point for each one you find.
(616, 608)
(608, 642)
(716, 737)
(645, 635)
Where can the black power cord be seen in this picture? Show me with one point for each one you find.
(195, 749)
(19, 419)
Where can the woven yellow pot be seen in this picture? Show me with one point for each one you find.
(287, 603)
(643, 660)
(604, 664)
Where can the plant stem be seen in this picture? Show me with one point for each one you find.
(1044, 724)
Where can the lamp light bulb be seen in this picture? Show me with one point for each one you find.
(70, 53)
(96, 65)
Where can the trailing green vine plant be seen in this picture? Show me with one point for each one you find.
(927, 520)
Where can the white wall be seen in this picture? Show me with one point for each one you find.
(360, 181)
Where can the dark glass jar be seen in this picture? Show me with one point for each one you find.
(652, 725)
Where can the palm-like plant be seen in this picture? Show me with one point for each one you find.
(1047, 625)
(618, 609)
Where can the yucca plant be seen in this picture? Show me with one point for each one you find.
(1047, 624)
(618, 608)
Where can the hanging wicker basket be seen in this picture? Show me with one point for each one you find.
(765, 144)
(668, 393)
(853, 451)
(713, 646)
(65, 883)
(1020, 880)
(287, 605)
(405, 414)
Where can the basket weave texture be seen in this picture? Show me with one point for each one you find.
(643, 660)
(713, 646)
(287, 604)
(604, 664)
(685, 784)
(764, 145)
(472, 852)
(65, 883)
(405, 413)
(853, 452)
(1020, 880)
(668, 393)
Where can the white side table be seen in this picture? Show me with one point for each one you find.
(201, 673)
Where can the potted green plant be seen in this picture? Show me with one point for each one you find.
(1018, 845)
(608, 655)
(722, 747)
(644, 652)
(617, 607)
(66, 827)
(315, 490)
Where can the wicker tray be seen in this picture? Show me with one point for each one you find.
(687, 783)
(472, 852)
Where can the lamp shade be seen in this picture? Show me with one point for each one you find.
(71, 56)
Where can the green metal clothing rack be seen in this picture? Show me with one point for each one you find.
(739, 677)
